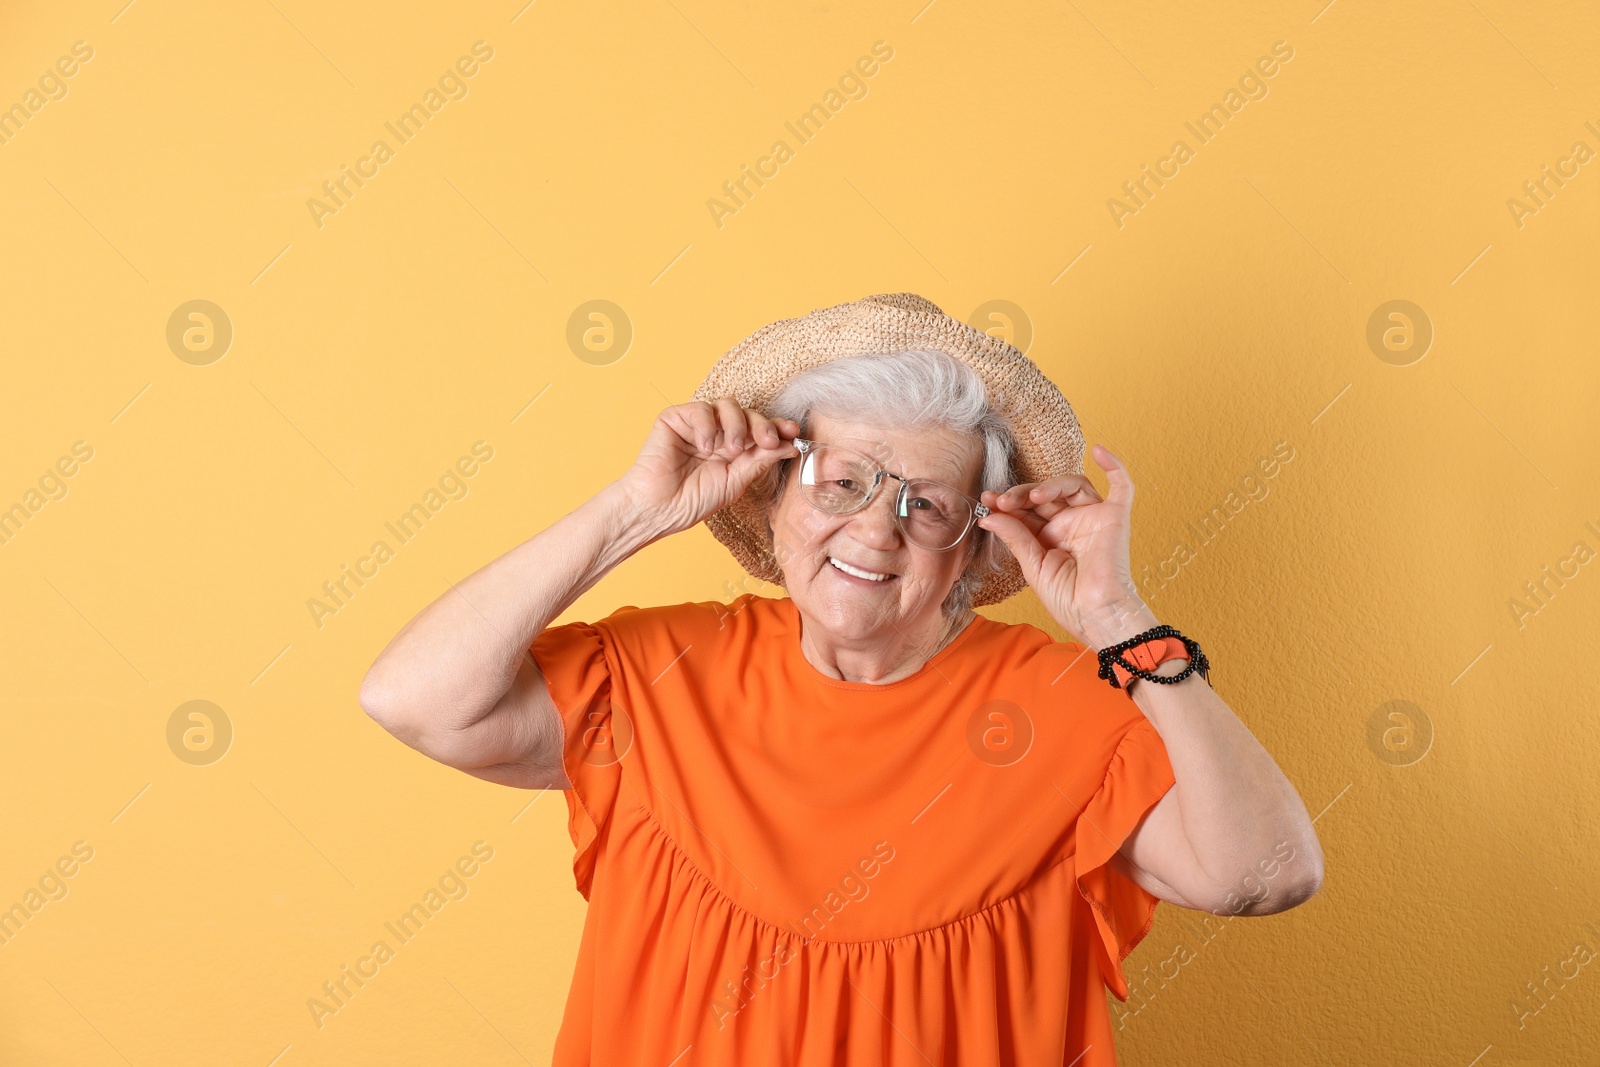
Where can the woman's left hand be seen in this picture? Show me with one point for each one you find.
(1072, 544)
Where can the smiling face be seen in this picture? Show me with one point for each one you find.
(905, 603)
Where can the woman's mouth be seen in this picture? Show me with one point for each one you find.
(858, 575)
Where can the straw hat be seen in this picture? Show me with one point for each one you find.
(1048, 440)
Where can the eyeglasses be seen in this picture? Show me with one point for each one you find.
(841, 481)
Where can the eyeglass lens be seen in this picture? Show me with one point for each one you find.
(933, 515)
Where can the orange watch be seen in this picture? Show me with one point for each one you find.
(1148, 656)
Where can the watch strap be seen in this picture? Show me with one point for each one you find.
(1147, 657)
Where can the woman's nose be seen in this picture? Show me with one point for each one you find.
(875, 525)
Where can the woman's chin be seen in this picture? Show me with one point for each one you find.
(857, 613)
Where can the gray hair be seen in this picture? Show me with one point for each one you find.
(907, 391)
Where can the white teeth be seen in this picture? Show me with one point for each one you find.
(858, 572)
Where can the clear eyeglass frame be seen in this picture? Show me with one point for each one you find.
(975, 509)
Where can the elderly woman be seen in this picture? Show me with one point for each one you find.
(858, 824)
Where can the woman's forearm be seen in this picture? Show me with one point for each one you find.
(451, 664)
(1241, 815)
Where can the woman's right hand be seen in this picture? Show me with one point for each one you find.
(703, 455)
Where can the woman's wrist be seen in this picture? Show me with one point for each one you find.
(1116, 622)
(629, 525)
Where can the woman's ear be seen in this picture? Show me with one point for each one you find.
(772, 541)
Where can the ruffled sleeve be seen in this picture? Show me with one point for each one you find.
(1138, 776)
(578, 663)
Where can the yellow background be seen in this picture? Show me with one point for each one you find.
(1227, 315)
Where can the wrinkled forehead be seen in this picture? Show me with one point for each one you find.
(937, 453)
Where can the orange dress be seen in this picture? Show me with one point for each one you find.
(787, 869)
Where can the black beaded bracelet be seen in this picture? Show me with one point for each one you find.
(1113, 654)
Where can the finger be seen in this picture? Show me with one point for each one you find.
(1047, 499)
(1009, 498)
(731, 421)
(1016, 536)
(765, 432)
(749, 464)
(1120, 487)
(1069, 490)
(1033, 519)
(758, 456)
(1030, 494)
(696, 423)
(762, 432)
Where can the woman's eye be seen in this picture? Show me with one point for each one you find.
(922, 503)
